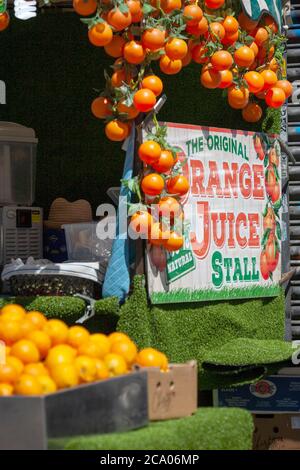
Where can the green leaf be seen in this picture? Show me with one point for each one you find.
(137, 207)
(123, 7)
(278, 230)
(265, 237)
(266, 160)
(265, 211)
(277, 204)
(276, 172)
(147, 8)
(271, 276)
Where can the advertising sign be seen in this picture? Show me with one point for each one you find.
(231, 218)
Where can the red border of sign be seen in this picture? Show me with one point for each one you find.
(214, 129)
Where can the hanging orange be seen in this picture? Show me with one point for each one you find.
(286, 86)
(149, 152)
(153, 83)
(210, 78)
(134, 52)
(174, 242)
(152, 184)
(101, 34)
(116, 130)
(198, 29)
(255, 81)
(178, 185)
(275, 97)
(214, 4)
(244, 56)
(101, 107)
(85, 7)
(153, 38)
(226, 79)
(115, 47)
(170, 5)
(131, 111)
(135, 9)
(230, 24)
(4, 21)
(176, 48)
(194, 14)
(217, 31)
(252, 112)
(221, 60)
(238, 97)
(144, 100)
(119, 20)
(165, 162)
(168, 66)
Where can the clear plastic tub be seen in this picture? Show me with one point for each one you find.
(17, 164)
(83, 243)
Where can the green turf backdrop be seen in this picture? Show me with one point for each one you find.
(51, 73)
(208, 429)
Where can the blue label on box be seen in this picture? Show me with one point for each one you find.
(273, 394)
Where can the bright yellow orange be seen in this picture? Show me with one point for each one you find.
(6, 390)
(116, 364)
(118, 336)
(47, 384)
(91, 349)
(26, 351)
(10, 331)
(8, 373)
(86, 368)
(102, 370)
(60, 354)
(77, 335)
(27, 327)
(35, 369)
(65, 375)
(57, 331)
(150, 357)
(102, 341)
(126, 349)
(27, 385)
(42, 341)
(37, 319)
(12, 312)
(15, 363)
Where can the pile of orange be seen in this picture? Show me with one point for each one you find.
(43, 356)
(241, 56)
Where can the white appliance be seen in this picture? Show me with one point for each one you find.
(21, 233)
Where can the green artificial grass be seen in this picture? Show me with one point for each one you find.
(51, 83)
(70, 309)
(242, 351)
(181, 295)
(192, 330)
(208, 429)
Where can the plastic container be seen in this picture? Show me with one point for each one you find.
(83, 244)
(17, 164)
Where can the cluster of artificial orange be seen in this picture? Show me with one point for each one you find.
(43, 356)
(158, 183)
(237, 54)
(244, 69)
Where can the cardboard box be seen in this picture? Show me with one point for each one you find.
(172, 394)
(276, 432)
(274, 394)
(116, 404)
